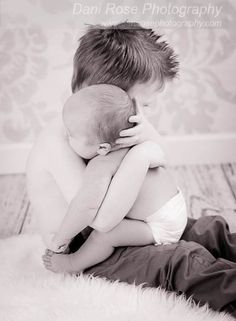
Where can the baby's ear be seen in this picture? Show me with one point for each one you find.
(104, 148)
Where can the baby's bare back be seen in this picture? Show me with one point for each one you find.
(157, 189)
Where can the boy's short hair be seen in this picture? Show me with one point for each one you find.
(110, 108)
(122, 55)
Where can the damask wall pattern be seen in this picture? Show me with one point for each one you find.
(38, 39)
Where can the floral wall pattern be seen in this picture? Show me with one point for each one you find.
(38, 39)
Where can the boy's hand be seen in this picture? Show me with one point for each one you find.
(140, 133)
(53, 245)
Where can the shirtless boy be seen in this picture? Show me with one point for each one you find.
(93, 119)
(137, 60)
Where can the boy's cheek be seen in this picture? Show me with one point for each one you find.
(149, 111)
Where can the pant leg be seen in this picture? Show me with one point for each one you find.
(195, 272)
(184, 267)
(213, 233)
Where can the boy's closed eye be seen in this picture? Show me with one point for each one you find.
(149, 106)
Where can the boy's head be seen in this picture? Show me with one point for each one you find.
(123, 55)
(94, 117)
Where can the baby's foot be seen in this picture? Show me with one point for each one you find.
(57, 262)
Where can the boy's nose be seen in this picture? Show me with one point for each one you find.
(137, 106)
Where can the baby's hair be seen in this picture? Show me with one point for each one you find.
(110, 108)
(122, 55)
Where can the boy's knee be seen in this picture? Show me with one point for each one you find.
(220, 220)
(214, 223)
(205, 226)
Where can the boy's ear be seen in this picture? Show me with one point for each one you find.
(104, 148)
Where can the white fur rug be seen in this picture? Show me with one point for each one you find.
(31, 293)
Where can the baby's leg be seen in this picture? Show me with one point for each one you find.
(99, 246)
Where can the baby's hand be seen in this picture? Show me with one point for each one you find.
(140, 133)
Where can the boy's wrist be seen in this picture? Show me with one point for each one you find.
(58, 244)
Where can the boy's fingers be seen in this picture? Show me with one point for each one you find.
(135, 119)
(129, 141)
(130, 132)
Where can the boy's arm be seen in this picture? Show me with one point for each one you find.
(142, 132)
(126, 184)
(84, 206)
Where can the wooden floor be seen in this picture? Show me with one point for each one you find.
(209, 190)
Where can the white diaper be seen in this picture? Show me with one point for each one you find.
(169, 222)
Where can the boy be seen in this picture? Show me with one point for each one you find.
(140, 67)
(131, 57)
(93, 117)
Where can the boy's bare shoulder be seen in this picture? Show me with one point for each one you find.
(49, 145)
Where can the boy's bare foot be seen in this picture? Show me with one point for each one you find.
(57, 262)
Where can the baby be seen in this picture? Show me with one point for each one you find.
(154, 209)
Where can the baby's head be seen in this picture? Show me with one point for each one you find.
(94, 117)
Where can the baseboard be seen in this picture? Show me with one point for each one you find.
(191, 149)
(202, 149)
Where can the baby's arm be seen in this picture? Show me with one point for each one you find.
(86, 203)
(126, 184)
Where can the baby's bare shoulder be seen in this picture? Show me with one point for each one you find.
(108, 163)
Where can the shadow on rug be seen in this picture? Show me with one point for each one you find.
(29, 292)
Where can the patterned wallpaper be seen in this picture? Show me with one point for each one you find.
(38, 39)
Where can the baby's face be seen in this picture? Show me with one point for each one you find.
(145, 95)
(79, 137)
(82, 146)
(86, 149)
